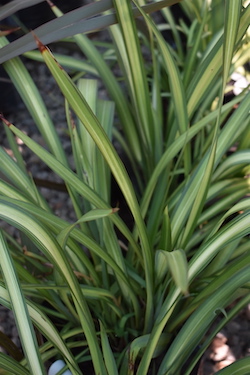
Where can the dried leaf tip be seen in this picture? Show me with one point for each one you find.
(5, 121)
(8, 31)
(50, 3)
(40, 45)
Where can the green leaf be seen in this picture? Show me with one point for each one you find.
(161, 266)
(72, 23)
(89, 216)
(30, 95)
(20, 179)
(45, 326)
(107, 352)
(176, 85)
(236, 228)
(199, 200)
(49, 246)
(172, 151)
(91, 123)
(177, 263)
(196, 326)
(13, 367)
(232, 165)
(136, 347)
(211, 65)
(232, 20)
(136, 76)
(166, 234)
(27, 334)
(73, 180)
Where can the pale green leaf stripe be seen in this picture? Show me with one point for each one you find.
(72, 179)
(161, 266)
(242, 205)
(241, 304)
(239, 191)
(99, 176)
(89, 216)
(86, 116)
(29, 93)
(114, 89)
(8, 191)
(17, 153)
(232, 19)
(199, 201)
(211, 66)
(185, 209)
(173, 149)
(210, 287)
(12, 366)
(66, 62)
(166, 234)
(176, 85)
(58, 224)
(91, 292)
(136, 74)
(14, 174)
(239, 227)
(236, 124)
(231, 164)
(26, 332)
(198, 323)
(20, 179)
(220, 187)
(107, 352)
(226, 138)
(178, 266)
(47, 244)
(61, 28)
(197, 204)
(240, 367)
(45, 326)
(69, 25)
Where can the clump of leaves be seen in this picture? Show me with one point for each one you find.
(139, 298)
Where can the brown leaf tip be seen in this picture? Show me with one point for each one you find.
(6, 31)
(50, 3)
(40, 45)
(5, 121)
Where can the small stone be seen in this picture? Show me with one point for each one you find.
(219, 353)
(219, 340)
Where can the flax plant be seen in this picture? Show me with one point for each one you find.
(109, 294)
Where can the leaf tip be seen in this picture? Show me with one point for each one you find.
(50, 3)
(40, 45)
(5, 121)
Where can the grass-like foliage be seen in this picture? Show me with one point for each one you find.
(132, 290)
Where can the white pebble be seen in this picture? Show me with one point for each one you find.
(57, 366)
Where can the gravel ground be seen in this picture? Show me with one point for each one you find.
(230, 344)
